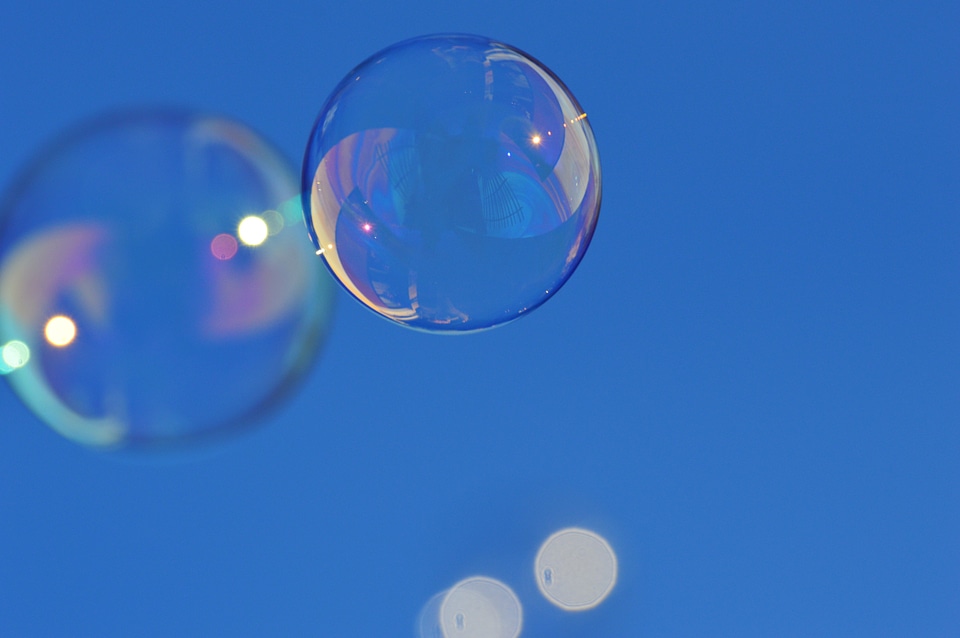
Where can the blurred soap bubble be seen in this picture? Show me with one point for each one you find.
(476, 607)
(576, 569)
(428, 622)
(451, 183)
(156, 282)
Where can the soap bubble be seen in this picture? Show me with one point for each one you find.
(480, 607)
(576, 569)
(130, 314)
(451, 183)
(428, 621)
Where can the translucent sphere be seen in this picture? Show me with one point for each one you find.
(480, 607)
(451, 183)
(156, 282)
(576, 569)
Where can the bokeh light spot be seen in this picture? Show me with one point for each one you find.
(224, 247)
(253, 231)
(13, 355)
(576, 569)
(60, 331)
(274, 221)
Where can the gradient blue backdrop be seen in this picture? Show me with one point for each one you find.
(751, 386)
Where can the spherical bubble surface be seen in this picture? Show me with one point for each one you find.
(576, 569)
(480, 607)
(451, 183)
(147, 319)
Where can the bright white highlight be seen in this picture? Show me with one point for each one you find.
(253, 231)
(13, 355)
(60, 331)
(576, 569)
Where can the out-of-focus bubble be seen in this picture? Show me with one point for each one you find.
(478, 607)
(451, 183)
(131, 313)
(428, 622)
(576, 569)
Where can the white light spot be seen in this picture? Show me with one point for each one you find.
(576, 569)
(252, 230)
(60, 331)
(536, 139)
(480, 607)
(13, 355)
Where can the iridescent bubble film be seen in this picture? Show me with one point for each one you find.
(451, 183)
(156, 282)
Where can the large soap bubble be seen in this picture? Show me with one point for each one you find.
(451, 183)
(156, 282)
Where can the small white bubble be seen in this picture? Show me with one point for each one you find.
(480, 607)
(428, 622)
(576, 569)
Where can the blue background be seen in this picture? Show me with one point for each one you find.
(751, 386)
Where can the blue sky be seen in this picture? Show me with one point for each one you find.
(749, 387)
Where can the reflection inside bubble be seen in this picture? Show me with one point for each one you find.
(253, 230)
(60, 331)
